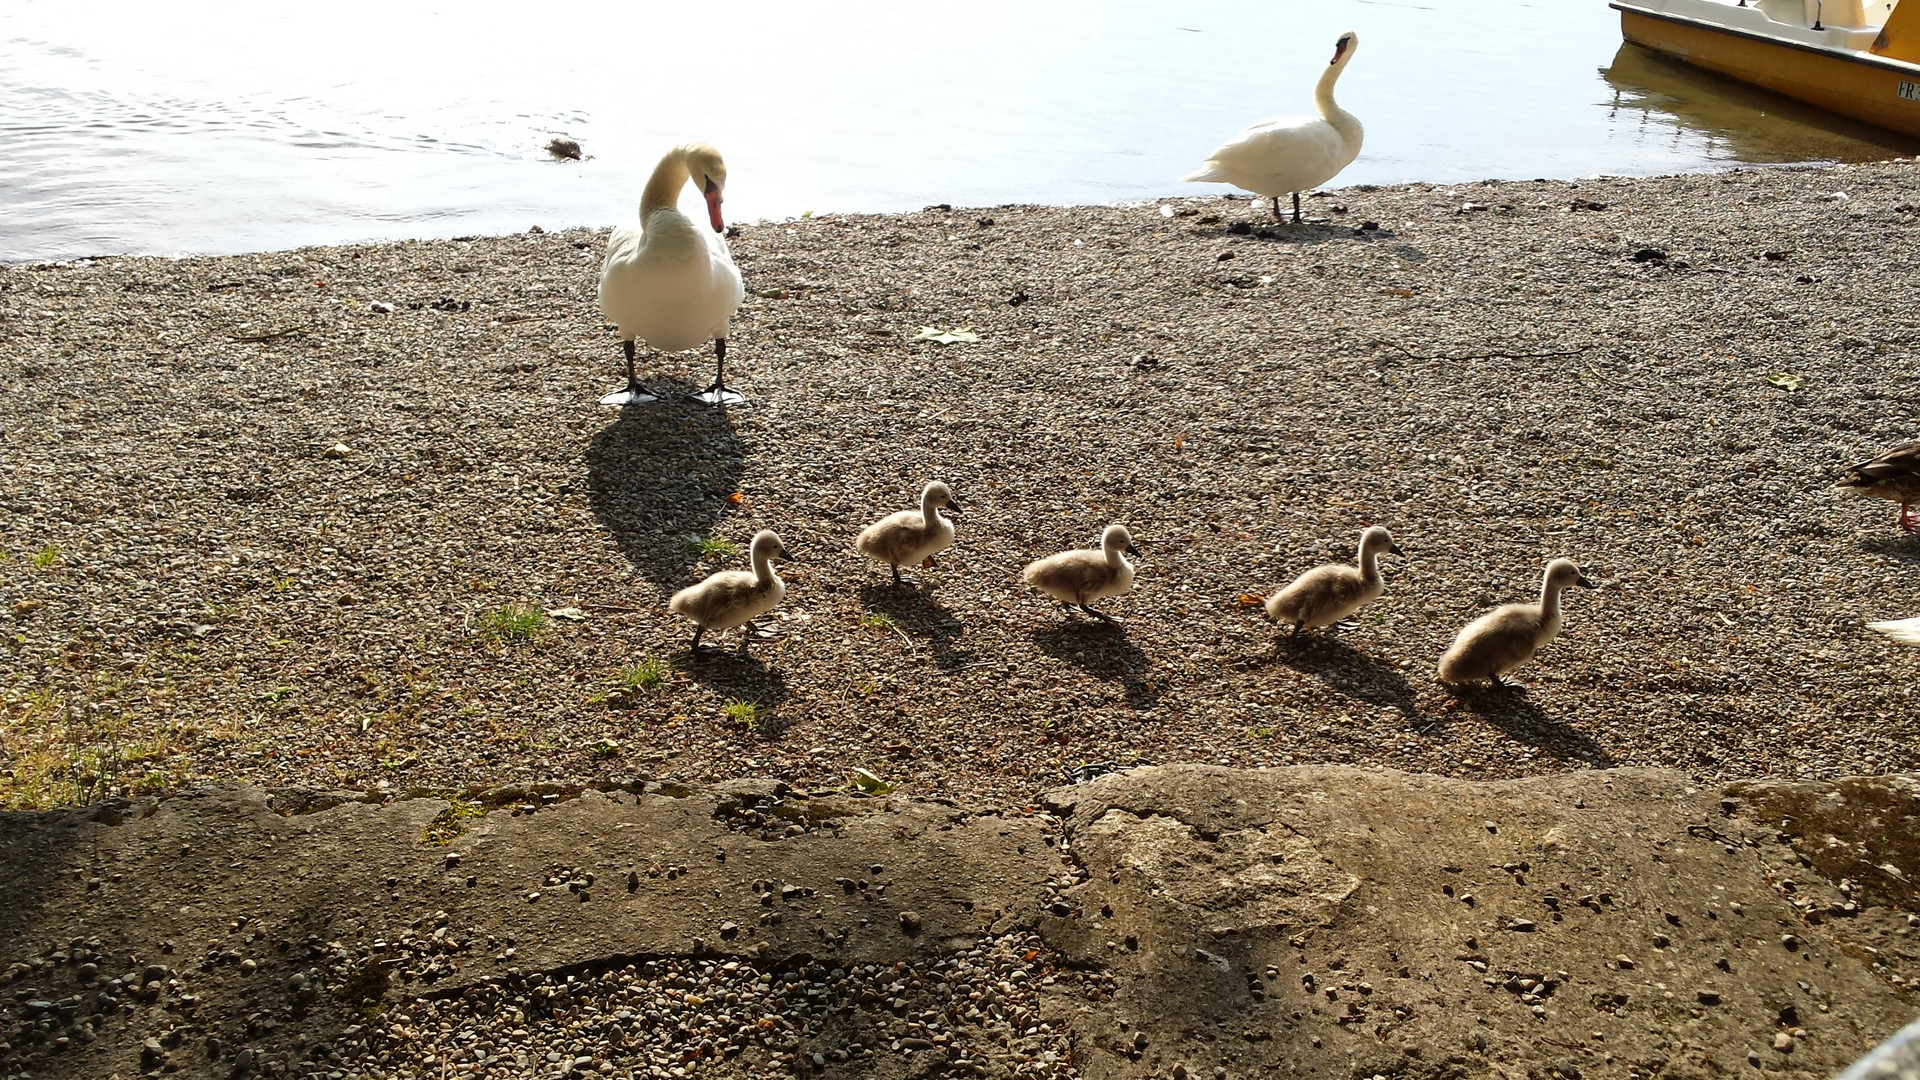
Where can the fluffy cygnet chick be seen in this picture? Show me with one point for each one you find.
(1327, 594)
(1077, 578)
(732, 598)
(1509, 635)
(911, 536)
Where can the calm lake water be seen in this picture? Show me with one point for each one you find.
(216, 126)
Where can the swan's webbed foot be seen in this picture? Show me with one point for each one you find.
(1508, 685)
(634, 394)
(1342, 625)
(719, 393)
(1101, 615)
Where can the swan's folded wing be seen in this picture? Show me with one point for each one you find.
(1301, 147)
(1905, 631)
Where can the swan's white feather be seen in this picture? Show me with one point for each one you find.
(672, 285)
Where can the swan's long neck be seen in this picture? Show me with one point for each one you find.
(763, 566)
(1115, 552)
(1369, 564)
(1549, 604)
(663, 187)
(929, 510)
(1342, 120)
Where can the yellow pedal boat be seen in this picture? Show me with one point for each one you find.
(1860, 58)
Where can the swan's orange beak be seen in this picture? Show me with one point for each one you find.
(1338, 48)
(713, 206)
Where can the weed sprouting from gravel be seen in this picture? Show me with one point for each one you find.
(744, 713)
(46, 557)
(514, 622)
(648, 674)
(451, 822)
(712, 547)
(878, 620)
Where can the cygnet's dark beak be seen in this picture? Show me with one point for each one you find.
(1134, 551)
(1584, 583)
(953, 506)
(1394, 549)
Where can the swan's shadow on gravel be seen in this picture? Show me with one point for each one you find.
(729, 675)
(658, 478)
(1346, 670)
(1509, 710)
(1904, 548)
(921, 617)
(1103, 651)
(1309, 233)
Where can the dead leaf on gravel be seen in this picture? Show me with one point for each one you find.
(1785, 381)
(25, 607)
(868, 783)
(1247, 599)
(571, 614)
(947, 337)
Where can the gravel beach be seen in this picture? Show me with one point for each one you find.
(300, 518)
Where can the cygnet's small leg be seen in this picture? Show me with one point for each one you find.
(719, 393)
(896, 575)
(1507, 684)
(746, 635)
(1297, 624)
(697, 631)
(1101, 615)
(634, 394)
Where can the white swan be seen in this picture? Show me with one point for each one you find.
(669, 282)
(1905, 631)
(1291, 154)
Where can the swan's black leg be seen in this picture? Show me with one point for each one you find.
(1296, 207)
(634, 394)
(719, 393)
(896, 574)
(1276, 209)
(697, 631)
(1296, 628)
(1101, 615)
(746, 635)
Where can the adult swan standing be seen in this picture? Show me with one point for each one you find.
(1292, 154)
(669, 282)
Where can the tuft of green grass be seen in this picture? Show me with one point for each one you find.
(1263, 731)
(604, 748)
(744, 713)
(451, 822)
(878, 620)
(713, 547)
(46, 557)
(648, 674)
(514, 622)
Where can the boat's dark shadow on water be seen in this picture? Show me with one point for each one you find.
(1104, 651)
(1511, 710)
(1347, 671)
(921, 617)
(658, 478)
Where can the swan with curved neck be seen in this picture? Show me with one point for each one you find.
(1078, 578)
(1326, 595)
(733, 598)
(1508, 636)
(1290, 155)
(668, 282)
(910, 537)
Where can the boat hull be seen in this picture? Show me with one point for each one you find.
(1866, 87)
